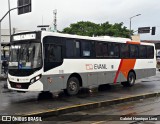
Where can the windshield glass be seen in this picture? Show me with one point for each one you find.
(25, 56)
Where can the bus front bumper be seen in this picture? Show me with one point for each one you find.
(36, 86)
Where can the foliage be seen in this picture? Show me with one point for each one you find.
(92, 29)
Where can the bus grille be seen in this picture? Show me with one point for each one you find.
(20, 72)
(19, 85)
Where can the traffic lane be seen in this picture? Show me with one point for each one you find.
(112, 114)
(64, 101)
(16, 103)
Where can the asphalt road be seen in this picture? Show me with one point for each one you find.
(148, 109)
(13, 103)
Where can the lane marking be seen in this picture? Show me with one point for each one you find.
(98, 122)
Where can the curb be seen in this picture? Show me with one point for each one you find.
(92, 105)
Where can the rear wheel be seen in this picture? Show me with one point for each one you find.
(72, 86)
(130, 80)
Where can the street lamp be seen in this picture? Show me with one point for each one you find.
(130, 22)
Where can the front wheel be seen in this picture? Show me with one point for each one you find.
(130, 80)
(72, 86)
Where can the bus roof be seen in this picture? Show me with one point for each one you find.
(97, 38)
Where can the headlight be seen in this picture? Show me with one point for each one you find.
(35, 79)
(32, 80)
(38, 77)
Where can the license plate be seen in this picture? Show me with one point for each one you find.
(18, 86)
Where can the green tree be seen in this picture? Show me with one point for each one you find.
(92, 29)
(82, 28)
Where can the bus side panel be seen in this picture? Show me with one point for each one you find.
(106, 77)
(110, 75)
(99, 78)
(52, 82)
(58, 82)
(121, 77)
(142, 73)
(92, 79)
(145, 68)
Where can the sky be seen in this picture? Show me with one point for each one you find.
(97, 11)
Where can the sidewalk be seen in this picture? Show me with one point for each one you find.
(3, 77)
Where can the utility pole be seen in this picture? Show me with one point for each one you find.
(55, 20)
(9, 20)
(1, 19)
(1, 38)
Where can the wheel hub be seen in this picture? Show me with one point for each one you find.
(72, 86)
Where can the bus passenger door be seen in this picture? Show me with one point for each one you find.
(53, 59)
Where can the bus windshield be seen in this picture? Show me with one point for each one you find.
(25, 56)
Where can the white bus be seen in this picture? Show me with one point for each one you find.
(48, 61)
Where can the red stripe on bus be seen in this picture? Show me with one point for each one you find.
(133, 42)
(125, 66)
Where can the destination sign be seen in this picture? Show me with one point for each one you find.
(24, 37)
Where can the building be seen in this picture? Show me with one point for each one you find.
(5, 41)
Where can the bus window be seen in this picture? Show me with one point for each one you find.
(124, 50)
(142, 52)
(113, 50)
(53, 53)
(105, 50)
(133, 51)
(99, 50)
(72, 48)
(86, 48)
(116, 50)
(150, 52)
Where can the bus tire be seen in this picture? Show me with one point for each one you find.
(73, 86)
(130, 80)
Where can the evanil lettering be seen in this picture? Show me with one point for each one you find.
(100, 66)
